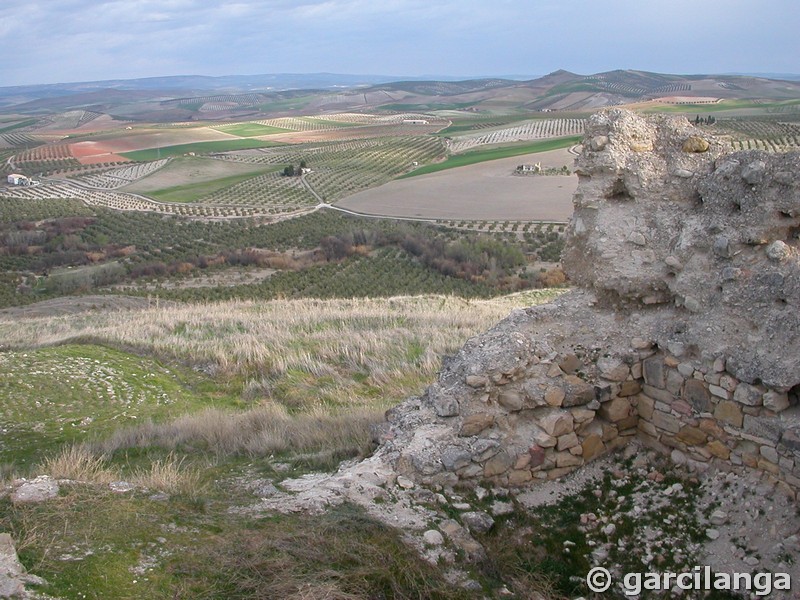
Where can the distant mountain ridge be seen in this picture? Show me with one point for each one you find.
(176, 98)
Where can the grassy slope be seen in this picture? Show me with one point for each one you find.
(478, 156)
(65, 393)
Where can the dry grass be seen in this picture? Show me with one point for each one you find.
(261, 431)
(78, 463)
(303, 353)
(169, 475)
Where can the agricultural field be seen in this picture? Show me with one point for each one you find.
(760, 134)
(484, 191)
(248, 130)
(531, 130)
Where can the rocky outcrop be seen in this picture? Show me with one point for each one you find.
(683, 329)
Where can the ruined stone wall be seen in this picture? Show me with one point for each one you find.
(684, 330)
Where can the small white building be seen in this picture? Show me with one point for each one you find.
(415, 122)
(17, 179)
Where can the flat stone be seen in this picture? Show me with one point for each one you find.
(499, 507)
(36, 490)
(629, 388)
(582, 415)
(543, 439)
(766, 428)
(404, 482)
(537, 454)
(770, 454)
(645, 407)
(517, 477)
(474, 424)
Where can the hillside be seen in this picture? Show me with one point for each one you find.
(268, 94)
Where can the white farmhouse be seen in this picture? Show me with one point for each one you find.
(415, 122)
(17, 179)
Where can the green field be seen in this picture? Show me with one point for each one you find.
(247, 130)
(192, 192)
(17, 125)
(478, 156)
(197, 148)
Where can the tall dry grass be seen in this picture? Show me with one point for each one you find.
(261, 431)
(312, 352)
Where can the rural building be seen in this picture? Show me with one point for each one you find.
(537, 168)
(17, 179)
(415, 122)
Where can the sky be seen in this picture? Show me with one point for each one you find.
(50, 41)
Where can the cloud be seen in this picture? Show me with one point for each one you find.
(58, 39)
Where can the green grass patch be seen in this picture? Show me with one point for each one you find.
(197, 148)
(19, 125)
(69, 393)
(479, 156)
(195, 191)
(247, 130)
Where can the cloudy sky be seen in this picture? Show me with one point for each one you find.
(47, 41)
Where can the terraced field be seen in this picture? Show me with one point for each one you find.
(117, 178)
(771, 136)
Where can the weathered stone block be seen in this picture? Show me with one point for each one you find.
(658, 394)
(654, 371)
(691, 436)
(565, 442)
(666, 422)
(696, 394)
(767, 428)
(554, 396)
(629, 388)
(718, 449)
(511, 400)
(537, 454)
(627, 423)
(592, 447)
(455, 458)
(474, 424)
(498, 464)
(476, 381)
(582, 415)
(776, 401)
(615, 410)
(729, 412)
(519, 477)
(645, 406)
(576, 391)
(445, 406)
(557, 422)
(747, 394)
(565, 459)
(570, 363)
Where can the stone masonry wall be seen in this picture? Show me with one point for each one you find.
(684, 329)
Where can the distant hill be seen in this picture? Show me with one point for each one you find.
(257, 96)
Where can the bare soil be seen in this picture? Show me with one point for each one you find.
(189, 170)
(485, 191)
